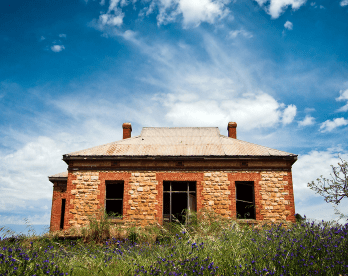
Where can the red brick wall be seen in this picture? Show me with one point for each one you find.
(58, 195)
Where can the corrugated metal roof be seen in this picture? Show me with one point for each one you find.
(181, 141)
(62, 174)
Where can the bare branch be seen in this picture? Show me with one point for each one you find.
(335, 189)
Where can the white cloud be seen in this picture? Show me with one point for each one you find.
(111, 19)
(330, 125)
(308, 168)
(57, 48)
(251, 110)
(307, 121)
(42, 38)
(235, 33)
(289, 114)
(344, 3)
(24, 172)
(343, 108)
(196, 11)
(192, 12)
(277, 7)
(62, 35)
(343, 97)
(288, 25)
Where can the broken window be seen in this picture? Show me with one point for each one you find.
(178, 196)
(114, 198)
(245, 200)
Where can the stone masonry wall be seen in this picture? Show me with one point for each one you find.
(143, 191)
(85, 195)
(143, 194)
(216, 193)
(277, 197)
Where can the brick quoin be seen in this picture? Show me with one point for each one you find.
(291, 206)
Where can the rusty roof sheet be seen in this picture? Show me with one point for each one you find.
(181, 141)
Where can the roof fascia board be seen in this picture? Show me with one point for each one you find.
(147, 157)
(57, 179)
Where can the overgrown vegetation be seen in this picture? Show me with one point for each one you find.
(208, 245)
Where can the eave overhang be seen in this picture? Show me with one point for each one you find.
(67, 158)
(53, 179)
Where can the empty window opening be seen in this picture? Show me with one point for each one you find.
(178, 196)
(62, 212)
(245, 200)
(114, 198)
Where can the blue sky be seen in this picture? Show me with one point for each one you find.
(72, 72)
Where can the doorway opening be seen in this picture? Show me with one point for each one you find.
(178, 196)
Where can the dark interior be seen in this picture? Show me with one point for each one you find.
(62, 214)
(114, 207)
(179, 204)
(245, 200)
(245, 210)
(114, 190)
(114, 198)
(177, 199)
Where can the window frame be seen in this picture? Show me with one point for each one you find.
(114, 182)
(252, 185)
(171, 192)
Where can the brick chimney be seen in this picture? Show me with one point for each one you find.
(127, 130)
(232, 130)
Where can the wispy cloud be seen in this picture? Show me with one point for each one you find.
(57, 48)
(307, 121)
(330, 125)
(343, 97)
(241, 32)
(62, 35)
(288, 25)
(277, 7)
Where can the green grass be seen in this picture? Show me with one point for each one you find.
(209, 245)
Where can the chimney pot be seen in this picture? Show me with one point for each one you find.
(232, 130)
(127, 130)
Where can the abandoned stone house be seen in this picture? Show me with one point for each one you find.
(155, 176)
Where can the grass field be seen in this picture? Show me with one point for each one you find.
(207, 246)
